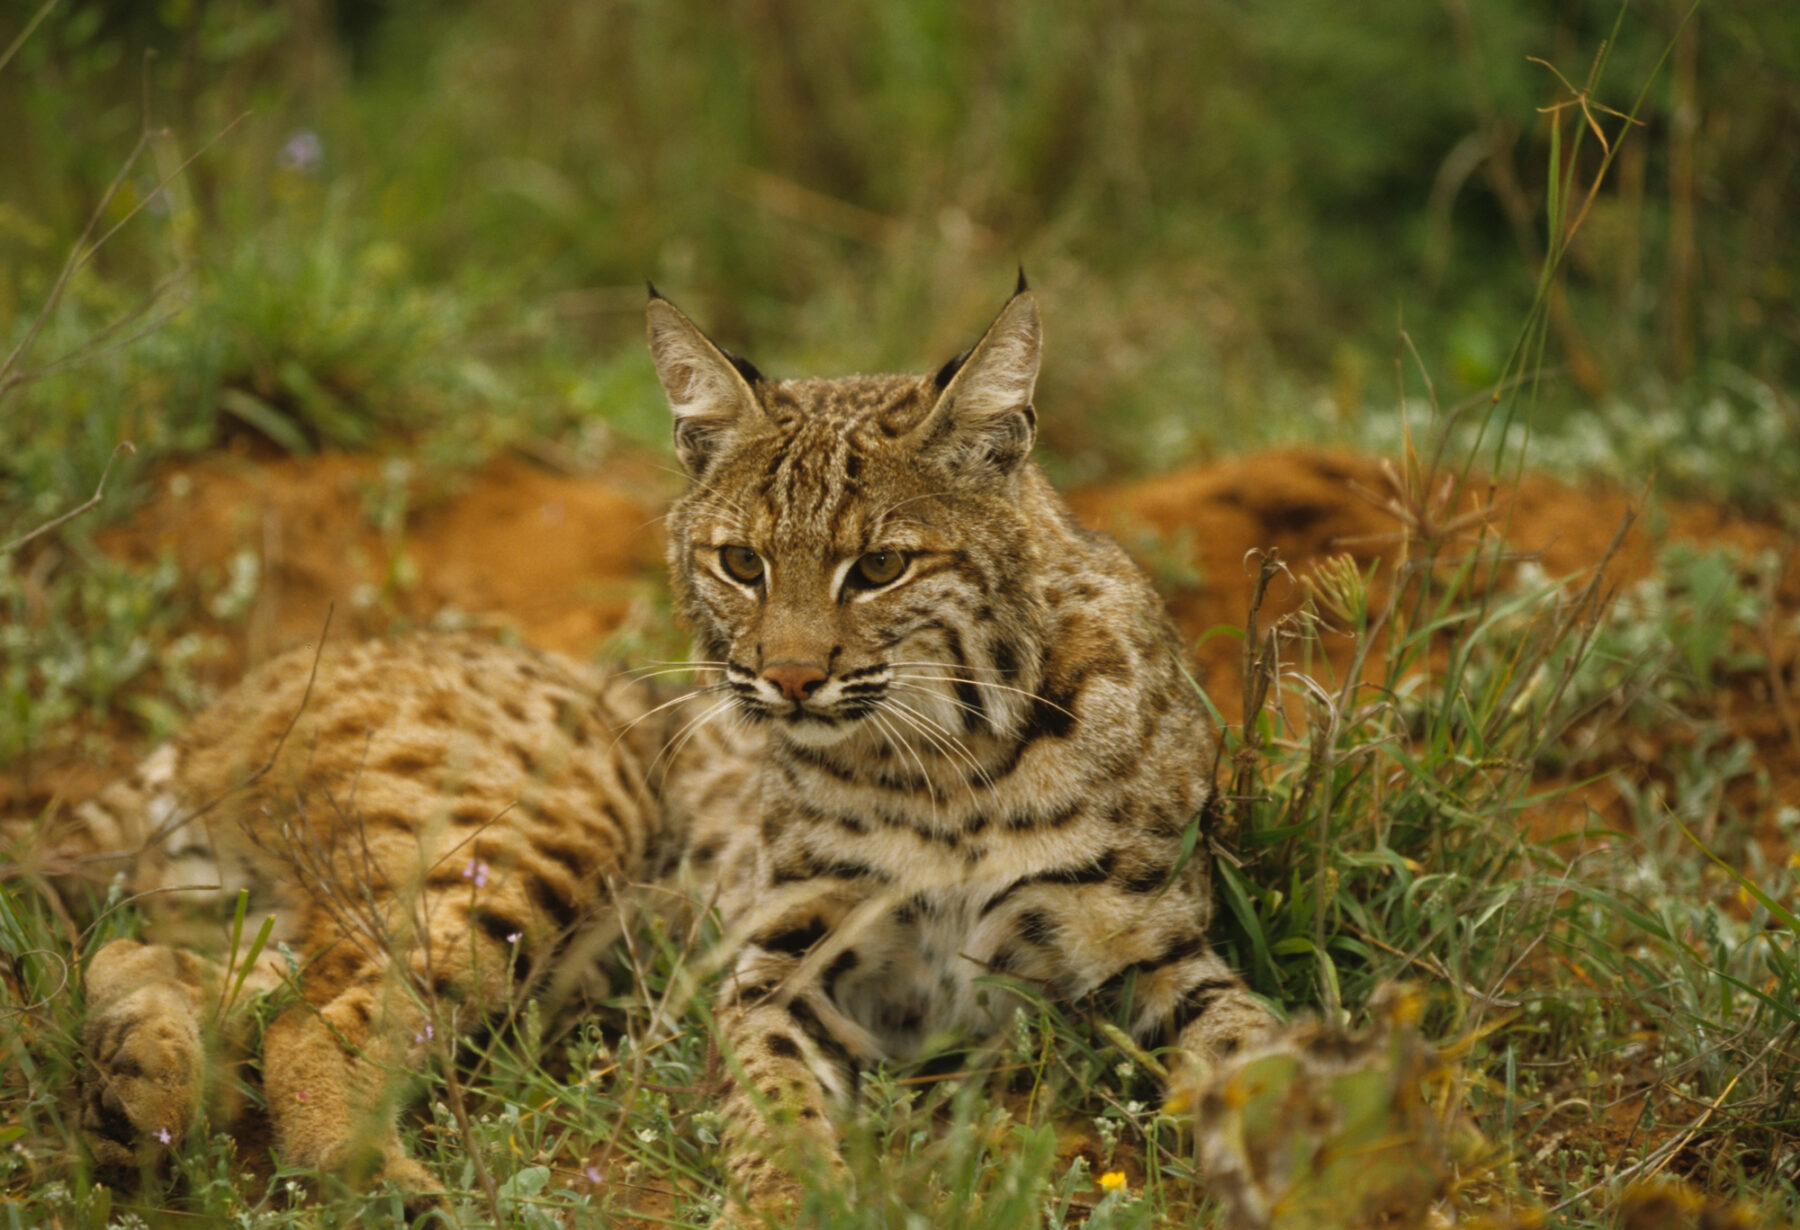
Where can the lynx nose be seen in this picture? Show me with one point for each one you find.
(797, 680)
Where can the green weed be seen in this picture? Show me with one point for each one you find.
(454, 262)
(109, 642)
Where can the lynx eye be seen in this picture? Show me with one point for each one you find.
(741, 564)
(878, 568)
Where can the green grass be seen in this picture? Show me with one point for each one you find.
(417, 216)
(1224, 240)
(1381, 839)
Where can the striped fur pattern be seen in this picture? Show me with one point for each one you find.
(942, 733)
(983, 752)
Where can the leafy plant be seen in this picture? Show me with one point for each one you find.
(452, 263)
(110, 642)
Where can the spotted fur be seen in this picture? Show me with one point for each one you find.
(434, 823)
(943, 733)
(983, 754)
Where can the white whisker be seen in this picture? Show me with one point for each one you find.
(945, 741)
(672, 748)
(905, 748)
(950, 666)
(695, 484)
(648, 672)
(897, 682)
(1002, 687)
(668, 704)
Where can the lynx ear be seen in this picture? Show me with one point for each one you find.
(708, 386)
(983, 419)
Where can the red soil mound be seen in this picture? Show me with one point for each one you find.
(1310, 505)
(558, 560)
(563, 561)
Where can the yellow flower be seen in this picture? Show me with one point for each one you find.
(1113, 1180)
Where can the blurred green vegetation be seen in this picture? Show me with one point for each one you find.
(426, 227)
(405, 215)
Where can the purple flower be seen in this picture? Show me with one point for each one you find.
(303, 152)
(427, 1032)
(515, 937)
(163, 1135)
(476, 871)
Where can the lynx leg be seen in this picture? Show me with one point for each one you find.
(1211, 1014)
(338, 1069)
(777, 1116)
(146, 1048)
(334, 1093)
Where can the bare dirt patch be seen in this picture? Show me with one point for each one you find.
(1311, 505)
(558, 560)
(564, 562)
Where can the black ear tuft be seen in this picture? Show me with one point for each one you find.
(1021, 288)
(947, 372)
(651, 287)
(745, 367)
(982, 426)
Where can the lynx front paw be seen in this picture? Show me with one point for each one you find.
(362, 1167)
(1233, 1024)
(769, 1184)
(146, 1057)
(775, 1206)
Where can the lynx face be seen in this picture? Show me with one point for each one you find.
(982, 758)
(852, 552)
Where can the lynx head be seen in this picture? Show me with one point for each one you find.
(857, 555)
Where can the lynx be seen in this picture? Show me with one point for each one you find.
(942, 733)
